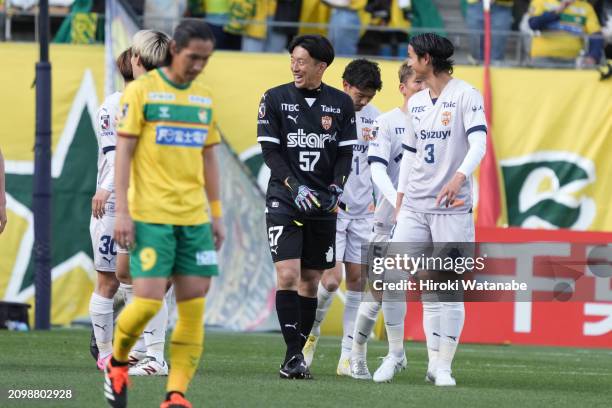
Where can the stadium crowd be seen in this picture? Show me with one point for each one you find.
(560, 33)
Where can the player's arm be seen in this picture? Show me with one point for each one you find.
(212, 185)
(129, 128)
(475, 125)
(268, 136)
(378, 158)
(408, 157)
(596, 40)
(2, 195)
(540, 18)
(107, 147)
(344, 154)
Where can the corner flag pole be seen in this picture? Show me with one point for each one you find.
(41, 190)
(489, 205)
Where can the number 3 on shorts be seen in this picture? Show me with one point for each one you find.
(274, 233)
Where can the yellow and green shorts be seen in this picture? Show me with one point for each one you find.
(162, 250)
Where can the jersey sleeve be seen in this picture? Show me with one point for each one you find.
(268, 121)
(348, 133)
(592, 22)
(131, 111)
(106, 131)
(379, 148)
(473, 112)
(213, 137)
(409, 139)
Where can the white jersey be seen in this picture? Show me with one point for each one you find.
(358, 190)
(440, 141)
(386, 148)
(106, 134)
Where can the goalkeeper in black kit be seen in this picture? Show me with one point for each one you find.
(306, 130)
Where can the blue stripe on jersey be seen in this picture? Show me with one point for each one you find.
(478, 128)
(377, 159)
(410, 149)
(398, 158)
(108, 149)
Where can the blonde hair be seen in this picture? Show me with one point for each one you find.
(152, 48)
(405, 72)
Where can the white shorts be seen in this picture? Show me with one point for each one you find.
(105, 249)
(426, 228)
(350, 235)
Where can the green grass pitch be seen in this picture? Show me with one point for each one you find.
(241, 370)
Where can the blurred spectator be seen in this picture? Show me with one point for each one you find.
(260, 35)
(563, 25)
(217, 14)
(395, 14)
(345, 25)
(163, 15)
(501, 23)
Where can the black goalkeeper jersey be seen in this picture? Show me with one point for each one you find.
(310, 128)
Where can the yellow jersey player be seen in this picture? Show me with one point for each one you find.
(165, 153)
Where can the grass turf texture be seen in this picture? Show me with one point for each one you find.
(240, 370)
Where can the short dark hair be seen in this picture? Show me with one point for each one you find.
(124, 65)
(317, 46)
(363, 74)
(190, 29)
(440, 50)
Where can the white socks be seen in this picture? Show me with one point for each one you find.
(395, 313)
(366, 318)
(431, 327)
(324, 300)
(351, 306)
(101, 312)
(451, 324)
(155, 333)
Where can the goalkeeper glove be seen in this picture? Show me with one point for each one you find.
(334, 194)
(304, 197)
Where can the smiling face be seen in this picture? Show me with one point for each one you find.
(189, 62)
(307, 71)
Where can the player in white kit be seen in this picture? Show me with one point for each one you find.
(148, 51)
(361, 81)
(435, 190)
(384, 156)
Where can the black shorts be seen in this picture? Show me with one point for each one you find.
(311, 241)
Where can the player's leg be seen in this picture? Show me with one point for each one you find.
(411, 233)
(318, 250)
(328, 285)
(150, 266)
(127, 289)
(368, 310)
(101, 302)
(450, 228)
(285, 241)
(195, 265)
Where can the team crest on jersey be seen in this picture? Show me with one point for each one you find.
(104, 120)
(446, 118)
(262, 110)
(374, 133)
(326, 122)
(366, 133)
(203, 115)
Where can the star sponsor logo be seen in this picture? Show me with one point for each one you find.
(326, 122)
(446, 118)
(310, 140)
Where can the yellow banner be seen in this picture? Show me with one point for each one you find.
(552, 132)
